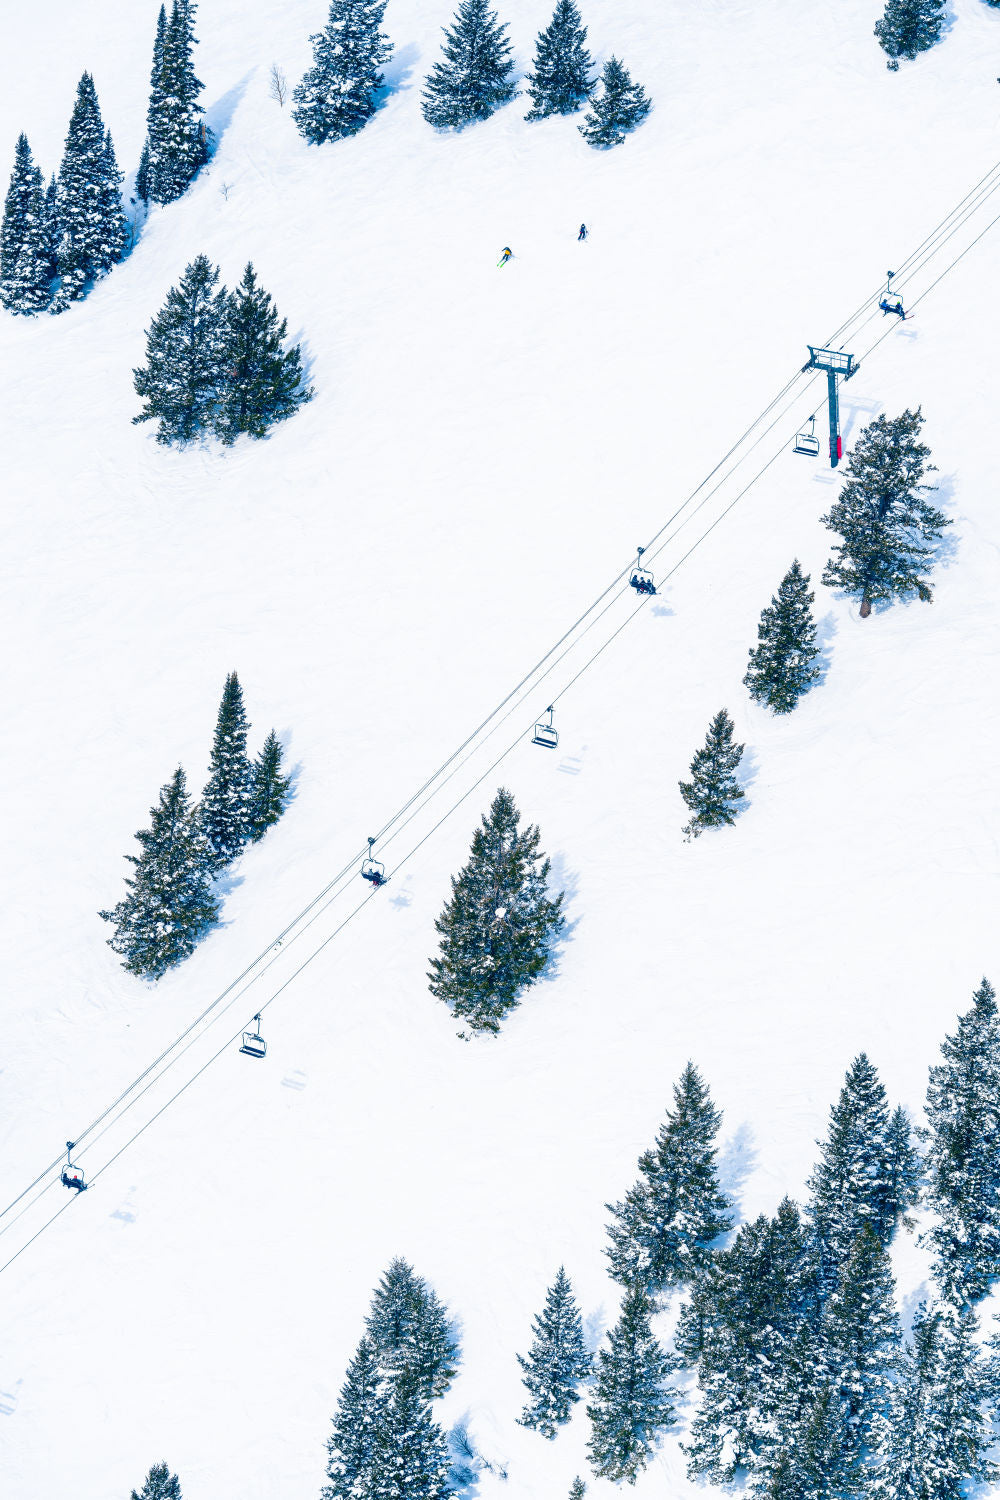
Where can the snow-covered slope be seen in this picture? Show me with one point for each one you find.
(484, 452)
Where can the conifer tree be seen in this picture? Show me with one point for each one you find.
(336, 97)
(631, 1406)
(15, 230)
(227, 801)
(713, 788)
(813, 1464)
(88, 201)
(616, 109)
(142, 176)
(963, 1152)
(887, 529)
(474, 78)
(29, 289)
(413, 1459)
(861, 1346)
(409, 1330)
(557, 1361)
(905, 1168)
(660, 1234)
(577, 1489)
(909, 27)
(497, 929)
(782, 663)
(154, 110)
(184, 373)
(561, 78)
(160, 1485)
(263, 382)
(169, 902)
(178, 140)
(354, 1444)
(270, 789)
(52, 219)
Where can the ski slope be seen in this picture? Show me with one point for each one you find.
(485, 450)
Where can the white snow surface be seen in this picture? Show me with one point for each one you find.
(485, 450)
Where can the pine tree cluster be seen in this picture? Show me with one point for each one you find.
(385, 1442)
(170, 902)
(215, 362)
(909, 27)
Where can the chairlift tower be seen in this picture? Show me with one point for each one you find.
(836, 364)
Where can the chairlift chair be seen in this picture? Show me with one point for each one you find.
(890, 301)
(253, 1044)
(373, 869)
(642, 579)
(545, 734)
(807, 442)
(72, 1177)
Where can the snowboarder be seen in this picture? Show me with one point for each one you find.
(896, 306)
(507, 255)
(583, 232)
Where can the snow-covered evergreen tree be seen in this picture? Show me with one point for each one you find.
(713, 789)
(473, 79)
(909, 27)
(861, 1347)
(557, 1361)
(661, 1232)
(413, 1461)
(905, 1168)
(15, 230)
(142, 176)
(888, 530)
(813, 1465)
(270, 789)
(184, 374)
(88, 201)
(963, 1152)
(160, 1485)
(227, 802)
(617, 107)
(409, 1330)
(497, 929)
(336, 97)
(782, 664)
(631, 1405)
(577, 1489)
(354, 1445)
(154, 109)
(178, 140)
(263, 383)
(29, 289)
(560, 78)
(169, 902)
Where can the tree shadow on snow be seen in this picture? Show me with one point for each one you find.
(468, 1462)
(826, 634)
(736, 1161)
(397, 74)
(747, 774)
(561, 878)
(219, 116)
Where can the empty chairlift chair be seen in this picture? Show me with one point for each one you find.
(253, 1044)
(544, 734)
(806, 441)
(642, 579)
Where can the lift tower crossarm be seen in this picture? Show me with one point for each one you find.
(837, 364)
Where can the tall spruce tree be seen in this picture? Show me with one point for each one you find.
(660, 1234)
(169, 903)
(782, 664)
(963, 1152)
(29, 289)
(617, 108)
(88, 201)
(473, 79)
(183, 378)
(52, 216)
(227, 801)
(888, 530)
(412, 1461)
(142, 176)
(909, 27)
(263, 382)
(336, 96)
(860, 1348)
(270, 789)
(354, 1444)
(557, 1361)
(409, 1330)
(813, 1464)
(497, 929)
(178, 139)
(713, 789)
(16, 228)
(560, 79)
(631, 1406)
(160, 1485)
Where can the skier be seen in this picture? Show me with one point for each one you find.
(893, 307)
(583, 232)
(507, 255)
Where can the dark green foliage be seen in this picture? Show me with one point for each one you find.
(263, 382)
(336, 97)
(861, 1345)
(560, 79)
(88, 201)
(270, 790)
(577, 1489)
(888, 530)
(354, 1444)
(813, 1464)
(660, 1234)
(160, 1485)
(557, 1360)
(169, 902)
(185, 349)
(474, 78)
(618, 107)
(963, 1152)
(782, 663)
(631, 1406)
(409, 1330)
(497, 928)
(904, 1166)
(713, 788)
(908, 27)
(142, 175)
(178, 141)
(23, 237)
(227, 801)
(413, 1461)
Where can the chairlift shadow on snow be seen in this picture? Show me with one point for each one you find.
(736, 1162)
(662, 610)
